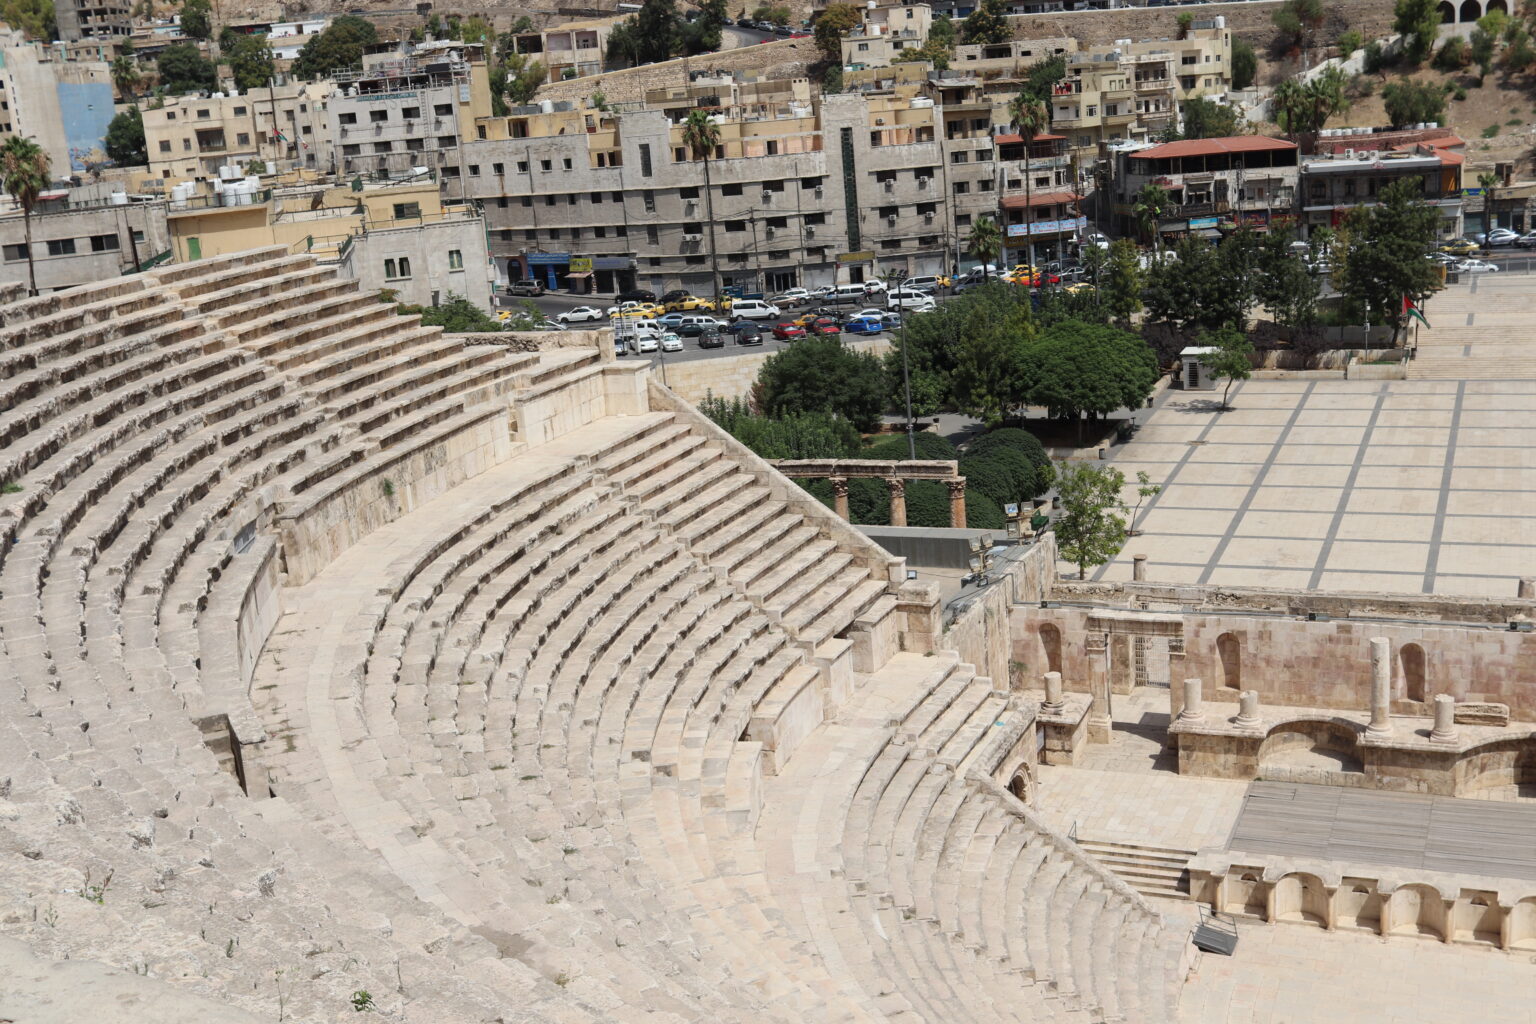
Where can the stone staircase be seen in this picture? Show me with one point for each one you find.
(1481, 332)
(1150, 870)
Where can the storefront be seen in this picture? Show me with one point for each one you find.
(547, 268)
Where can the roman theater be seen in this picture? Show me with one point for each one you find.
(349, 668)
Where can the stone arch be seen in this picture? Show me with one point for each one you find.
(1358, 906)
(1022, 785)
(1495, 5)
(1417, 910)
(1229, 650)
(1247, 894)
(1520, 931)
(1050, 645)
(1301, 897)
(1471, 10)
(1310, 745)
(1411, 663)
(1496, 770)
(1477, 917)
(1447, 13)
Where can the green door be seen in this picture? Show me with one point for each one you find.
(194, 249)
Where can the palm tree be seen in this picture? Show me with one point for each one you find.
(1151, 200)
(1031, 117)
(24, 168)
(985, 241)
(1488, 182)
(701, 135)
(126, 77)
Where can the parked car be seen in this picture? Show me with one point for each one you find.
(673, 295)
(874, 286)
(635, 295)
(525, 288)
(748, 333)
(646, 343)
(864, 325)
(1497, 238)
(929, 283)
(670, 342)
(911, 300)
(712, 337)
(1527, 240)
(690, 304)
(788, 330)
(1096, 239)
(824, 326)
(1476, 267)
(783, 30)
(754, 309)
(580, 315)
(670, 320)
(1459, 247)
(1445, 258)
(697, 326)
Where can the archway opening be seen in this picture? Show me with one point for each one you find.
(1229, 649)
(1447, 13)
(1471, 10)
(1411, 658)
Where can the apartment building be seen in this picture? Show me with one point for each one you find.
(884, 32)
(573, 49)
(82, 236)
(399, 112)
(1332, 184)
(64, 105)
(1213, 185)
(84, 19)
(192, 137)
(398, 235)
(286, 38)
(1048, 212)
(796, 193)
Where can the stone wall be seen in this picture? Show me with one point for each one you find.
(732, 376)
(1250, 21)
(785, 58)
(981, 630)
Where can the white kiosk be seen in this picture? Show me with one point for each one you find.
(1195, 375)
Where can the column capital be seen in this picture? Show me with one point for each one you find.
(956, 487)
(897, 485)
(839, 485)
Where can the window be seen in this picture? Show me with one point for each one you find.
(455, 259)
(397, 269)
(170, 115)
(596, 197)
(405, 211)
(203, 115)
(575, 233)
(735, 225)
(186, 145)
(410, 113)
(730, 190)
(645, 160)
(351, 149)
(554, 234)
(242, 138)
(445, 142)
(570, 200)
(549, 200)
(984, 185)
(61, 247)
(522, 167)
(165, 145)
(544, 165)
(617, 197)
(442, 109)
(962, 188)
(621, 231)
(105, 243)
(383, 147)
(377, 116)
(13, 253)
(567, 163)
(527, 200)
(498, 169)
(599, 232)
(650, 234)
(349, 119)
(474, 170)
(415, 145)
(959, 157)
(650, 201)
(239, 111)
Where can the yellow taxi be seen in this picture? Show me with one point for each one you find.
(1459, 247)
(690, 304)
(639, 311)
(1079, 287)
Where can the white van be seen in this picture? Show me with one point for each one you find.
(753, 309)
(909, 299)
(849, 294)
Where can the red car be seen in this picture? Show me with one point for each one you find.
(788, 329)
(824, 325)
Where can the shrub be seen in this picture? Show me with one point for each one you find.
(929, 446)
(1452, 56)
(1459, 94)
(1350, 41)
(1375, 58)
(982, 513)
(1002, 474)
(928, 504)
(1491, 131)
(1021, 441)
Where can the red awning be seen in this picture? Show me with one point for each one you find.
(1041, 199)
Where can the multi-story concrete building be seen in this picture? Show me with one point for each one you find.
(796, 193)
(400, 112)
(65, 105)
(1212, 184)
(83, 19)
(286, 38)
(1335, 183)
(83, 235)
(192, 137)
(400, 236)
(884, 33)
(572, 49)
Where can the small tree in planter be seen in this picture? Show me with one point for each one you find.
(1145, 489)
(1091, 527)
(1231, 360)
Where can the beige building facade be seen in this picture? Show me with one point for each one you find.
(191, 137)
(884, 33)
(82, 237)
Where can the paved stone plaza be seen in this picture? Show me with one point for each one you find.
(1398, 486)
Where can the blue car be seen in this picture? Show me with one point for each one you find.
(671, 320)
(864, 325)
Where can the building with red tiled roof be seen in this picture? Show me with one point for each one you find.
(1212, 185)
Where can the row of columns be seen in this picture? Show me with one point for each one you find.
(898, 488)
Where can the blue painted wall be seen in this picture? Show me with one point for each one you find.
(87, 110)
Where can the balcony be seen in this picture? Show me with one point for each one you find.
(1152, 84)
(1208, 209)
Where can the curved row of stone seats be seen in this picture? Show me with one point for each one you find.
(964, 900)
(488, 700)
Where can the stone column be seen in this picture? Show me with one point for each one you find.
(1445, 719)
(956, 502)
(1100, 721)
(840, 496)
(898, 501)
(1138, 567)
(1247, 709)
(1194, 705)
(1527, 587)
(1381, 688)
(1175, 677)
(1053, 703)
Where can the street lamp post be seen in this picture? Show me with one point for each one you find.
(897, 276)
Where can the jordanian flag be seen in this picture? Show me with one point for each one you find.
(1413, 312)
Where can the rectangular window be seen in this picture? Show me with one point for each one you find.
(383, 147)
(165, 145)
(567, 163)
(554, 234)
(688, 193)
(544, 165)
(404, 211)
(455, 259)
(202, 115)
(442, 109)
(522, 167)
(962, 188)
(377, 116)
(415, 145)
(645, 160)
(351, 149)
(650, 201)
(15, 252)
(410, 113)
(596, 197)
(530, 235)
(397, 269)
(650, 234)
(242, 138)
(599, 232)
(730, 190)
(445, 142)
(348, 119)
(61, 247)
(498, 169)
(239, 111)
(105, 243)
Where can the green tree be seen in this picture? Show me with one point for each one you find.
(1384, 255)
(1298, 19)
(514, 81)
(702, 34)
(928, 343)
(1489, 183)
(197, 19)
(942, 31)
(1350, 40)
(1040, 78)
(1091, 527)
(34, 17)
(1210, 119)
(1245, 64)
(455, 315)
(1409, 102)
(1021, 442)
(1232, 359)
(813, 435)
(126, 78)
(658, 30)
(1145, 489)
(822, 375)
(932, 51)
(1479, 52)
(1305, 109)
(124, 141)
(985, 241)
(988, 23)
(834, 23)
(1184, 19)
(1285, 285)
(182, 69)
(701, 136)
(1419, 23)
(1149, 204)
(1074, 368)
(250, 61)
(1203, 286)
(1123, 281)
(339, 46)
(25, 173)
(987, 378)
(623, 45)
(832, 80)
(1453, 54)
